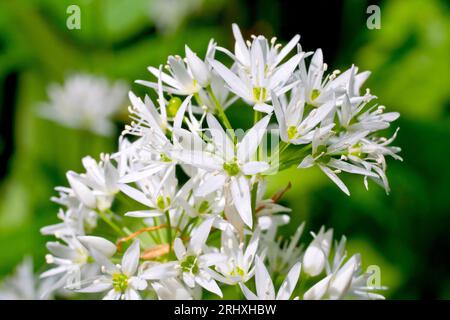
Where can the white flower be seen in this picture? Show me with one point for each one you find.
(120, 281)
(24, 285)
(238, 266)
(158, 192)
(73, 259)
(193, 264)
(186, 77)
(96, 188)
(85, 102)
(226, 168)
(152, 152)
(264, 286)
(353, 118)
(168, 15)
(209, 205)
(319, 90)
(259, 70)
(324, 146)
(295, 126)
(272, 55)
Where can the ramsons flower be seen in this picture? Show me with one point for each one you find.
(85, 102)
(120, 281)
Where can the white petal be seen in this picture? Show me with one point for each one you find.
(342, 280)
(286, 49)
(209, 284)
(179, 248)
(247, 147)
(198, 67)
(314, 260)
(135, 194)
(307, 162)
(335, 179)
(212, 183)
(98, 285)
(254, 167)
(104, 246)
(233, 81)
(131, 294)
(83, 193)
(318, 290)
(247, 293)
(160, 271)
(143, 214)
(240, 192)
(189, 279)
(211, 259)
(200, 235)
(263, 107)
(279, 114)
(240, 47)
(264, 284)
(199, 159)
(137, 283)
(220, 139)
(284, 72)
(188, 140)
(113, 295)
(289, 284)
(348, 167)
(130, 259)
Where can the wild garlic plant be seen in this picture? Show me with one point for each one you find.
(180, 210)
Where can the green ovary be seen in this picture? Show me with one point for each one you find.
(237, 271)
(315, 94)
(356, 151)
(164, 157)
(260, 94)
(204, 206)
(119, 282)
(189, 264)
(231, 168)
(292, 132)
(321, 152)
(162, 203)
(173, 106)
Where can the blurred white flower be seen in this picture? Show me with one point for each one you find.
(24, 284)
(168, 15)
(85, 102)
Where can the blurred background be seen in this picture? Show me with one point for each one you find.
(406, 233)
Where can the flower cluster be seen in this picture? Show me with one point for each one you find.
(180, 210)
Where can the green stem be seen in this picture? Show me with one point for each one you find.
(158, 232)
(169, 231)
(113, 226)
(223, 117)
(256, 117)
(253, 203)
